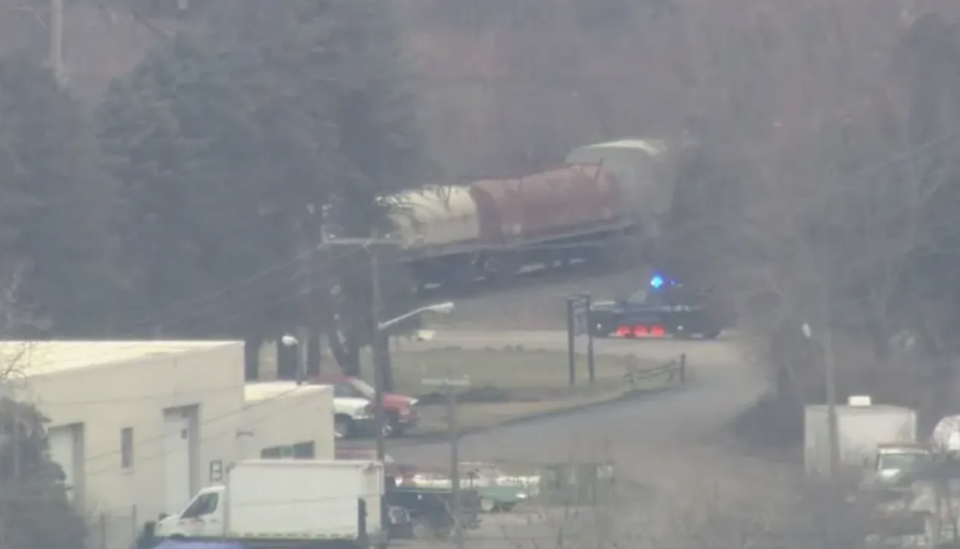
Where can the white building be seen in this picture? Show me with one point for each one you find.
(140, 426)
(284, 420)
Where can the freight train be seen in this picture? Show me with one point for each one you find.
(493, 228)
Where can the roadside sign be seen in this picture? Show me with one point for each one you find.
(578, 324)
(581, 314)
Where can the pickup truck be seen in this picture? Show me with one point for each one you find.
(353, 403)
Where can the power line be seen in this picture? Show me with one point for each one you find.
(399, 259)
(860, 174)
(547, 246)
(207, 422)
(303, 256)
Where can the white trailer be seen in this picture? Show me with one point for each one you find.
(287, 500)
(861, 427)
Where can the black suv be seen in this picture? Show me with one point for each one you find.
(665, 308)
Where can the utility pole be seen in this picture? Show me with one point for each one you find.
(56, 39)
(379, 370)
(376, 348)
(449, 387)
(16, 442)
(832, 427)
(307, 257)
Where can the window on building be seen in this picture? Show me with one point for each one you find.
(303, 450)
(126, 447)
(300, 450)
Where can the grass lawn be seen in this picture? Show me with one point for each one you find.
(506, 384)
(524, 374)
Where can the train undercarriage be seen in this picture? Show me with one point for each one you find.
(501, 265)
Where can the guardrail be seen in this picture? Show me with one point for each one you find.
(676, 370)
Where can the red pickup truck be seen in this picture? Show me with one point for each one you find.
(354, 408)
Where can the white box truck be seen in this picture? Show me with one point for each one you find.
(287, 500)
(862, 427)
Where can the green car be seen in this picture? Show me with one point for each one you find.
(498, 491)
(500, 497)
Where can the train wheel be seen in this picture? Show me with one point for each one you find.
(563, 262)
(459, 275)
(502, 267)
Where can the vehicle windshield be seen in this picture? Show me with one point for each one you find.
(638, 297)
(906, 462)
(364, 388)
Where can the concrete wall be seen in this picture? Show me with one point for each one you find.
(282, 414)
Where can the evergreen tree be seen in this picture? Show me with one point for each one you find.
(237, 146)
(34, 509)
(202, 172)
(56, 203)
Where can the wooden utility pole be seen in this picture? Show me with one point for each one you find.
(372, 246)
(449, 387)
(376, 346)
(56, 39)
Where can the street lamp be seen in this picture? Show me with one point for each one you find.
(379, 419)
(440, 308)
(288, 340)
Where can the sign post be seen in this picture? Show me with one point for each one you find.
(571, 342)
(578, 323)
(449, 387)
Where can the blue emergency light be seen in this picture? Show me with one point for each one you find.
(656, 281)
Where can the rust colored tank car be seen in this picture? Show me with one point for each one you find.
(644, 169)
(570, 200)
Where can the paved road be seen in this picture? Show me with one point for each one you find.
(537, 303)
(649, 440)
(624, 431)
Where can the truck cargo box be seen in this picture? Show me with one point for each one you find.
(860, 428)
(306, 499)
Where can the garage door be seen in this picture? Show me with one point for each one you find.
(177, 466)
(63, 450)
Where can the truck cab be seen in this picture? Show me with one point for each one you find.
(893, 461)
(202, 518)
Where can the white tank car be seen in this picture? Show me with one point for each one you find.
(436, 218)
(645, 173)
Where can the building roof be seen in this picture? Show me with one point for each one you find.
(268, 390)
(37, 358)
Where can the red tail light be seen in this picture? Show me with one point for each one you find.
(642, 330)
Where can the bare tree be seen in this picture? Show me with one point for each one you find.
(712, 499)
